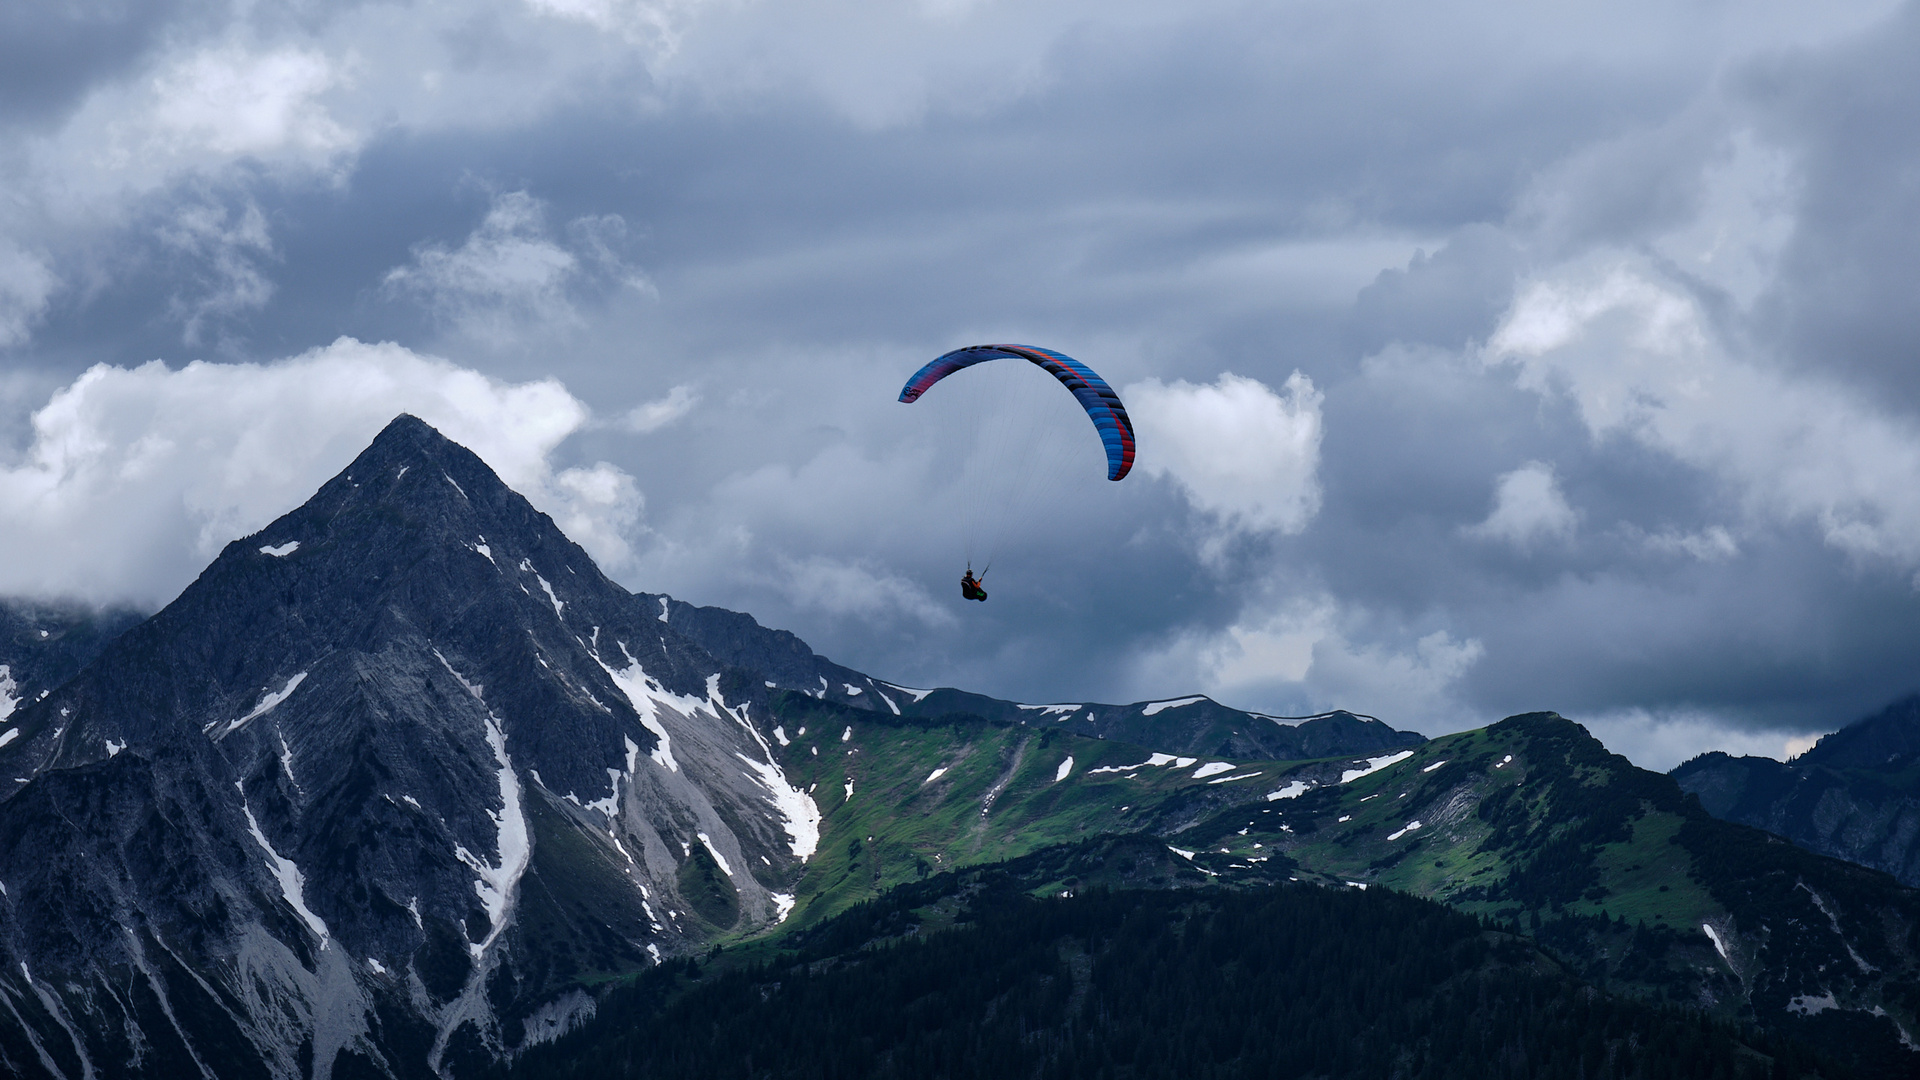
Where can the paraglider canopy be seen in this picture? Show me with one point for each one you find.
(1103, 406)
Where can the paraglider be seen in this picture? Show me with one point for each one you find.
(1102, 406)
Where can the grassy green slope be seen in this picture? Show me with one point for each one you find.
(1533, 820)
(903, 798)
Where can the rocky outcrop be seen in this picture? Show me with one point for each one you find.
(1855, 795)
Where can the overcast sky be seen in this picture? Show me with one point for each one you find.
(1484, 357)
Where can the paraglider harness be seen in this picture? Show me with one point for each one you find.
(970, 586)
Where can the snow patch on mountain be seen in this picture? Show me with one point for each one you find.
(1718, 945)
(1052, 710)
(558, 604)
(497, 882)
(9, 698)
(645, 696)
(1066, 767)
(267, 703)
(1153, 707)
(799, 814)
(1154, 760)
(1292, 791)
(1374, 765)
(1212, 768)
(917, 695)
(10, 735)
(281, 551)
(292, 882)
(707, 842)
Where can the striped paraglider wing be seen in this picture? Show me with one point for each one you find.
(1103, 406)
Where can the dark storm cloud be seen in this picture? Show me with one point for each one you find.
(770, 216)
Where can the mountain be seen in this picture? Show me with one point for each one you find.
(43, 645)
(1532, 822)
(1855, 795)
(400, 780)
(1195, 725)
(1111, 958)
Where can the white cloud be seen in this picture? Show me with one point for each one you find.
(654, 415)
(1710, 544)
(1661, 739)
(655, 26)
(851, 589)
(237, 103)
(136, 477)
(1641, 360)
(1527, 508)
(1315, 649)
(195, 114)
(1237, 449)
(507, 271)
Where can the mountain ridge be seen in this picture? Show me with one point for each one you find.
(1854, 795)
(388, 787)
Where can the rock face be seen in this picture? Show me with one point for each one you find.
(43, 645)
(397, 779)
(1855, 795)
(380, 789)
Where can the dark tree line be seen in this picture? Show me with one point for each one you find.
(1211, 984)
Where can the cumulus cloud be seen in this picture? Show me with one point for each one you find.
(1528, 508)
(507, 269)
(136, 477)
(1640, 358)
(1237, 450)
(234, 102)
(1314, 652)
(511, 275)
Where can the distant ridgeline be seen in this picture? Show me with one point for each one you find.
(403, 786)
(1855, 795)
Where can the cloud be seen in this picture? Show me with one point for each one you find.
(506, 271)
(229, 248)
(511, 277)
(1639, 358)
(1312, 652)
(851, 590)
(136, 477)
(656, 26)
(1709, 544)
(1235, 448)
(653, 415)
(1661, 738)
(237, 103)
(1527, 508)
(26, 284)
